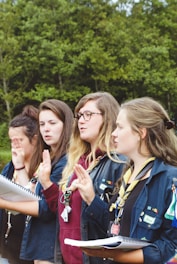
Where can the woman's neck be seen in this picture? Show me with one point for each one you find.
(137, 166)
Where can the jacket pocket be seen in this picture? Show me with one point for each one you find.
(149, 225)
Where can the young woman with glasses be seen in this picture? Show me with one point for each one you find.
(144, 206)
(92, 147)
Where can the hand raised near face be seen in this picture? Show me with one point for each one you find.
(84, 184)
(45, 170)
(18, 154)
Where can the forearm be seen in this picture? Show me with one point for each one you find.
(51, 195)
(27, 208)
(22, 177)
(134, 256)
(117, 255)
(46, 184)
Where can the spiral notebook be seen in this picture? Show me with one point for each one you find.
(11, 191)
(121, 242)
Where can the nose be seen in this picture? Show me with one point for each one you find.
(81, 119)
(46, 127)
(114, 133)
(15, 143)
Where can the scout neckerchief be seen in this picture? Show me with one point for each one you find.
(124, 193)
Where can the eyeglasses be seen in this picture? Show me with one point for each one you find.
(86, 115)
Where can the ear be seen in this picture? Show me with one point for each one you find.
(143, 132)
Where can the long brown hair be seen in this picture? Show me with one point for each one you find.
(160, 140)
(64, 113)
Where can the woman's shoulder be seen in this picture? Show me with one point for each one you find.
(161, 165)
(57, 169)
(167, 171)
(61, 161)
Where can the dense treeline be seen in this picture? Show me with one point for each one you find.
(66, 48)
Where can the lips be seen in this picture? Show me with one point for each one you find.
(115, 143)
(81, 129)
(47, 137)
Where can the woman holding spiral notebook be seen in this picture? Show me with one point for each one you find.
(55, 125)
(23, 136)
(144, 207)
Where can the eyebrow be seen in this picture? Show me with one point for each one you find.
(88, 111)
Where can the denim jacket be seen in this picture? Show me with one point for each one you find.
(157, 193)
(104, 175)
(40, 232)
(148, 220)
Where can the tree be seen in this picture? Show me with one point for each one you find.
(65, 49)
(9, 49)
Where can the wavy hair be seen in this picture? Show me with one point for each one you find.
(109, 108)
(160, 140)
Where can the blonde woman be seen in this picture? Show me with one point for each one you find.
(92, 147)
(145, 204)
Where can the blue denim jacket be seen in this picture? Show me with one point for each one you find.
(40, 232)
(148, 223)
(157, 193)
(104, 175)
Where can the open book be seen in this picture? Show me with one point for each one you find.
(14, 192)
(109, 243)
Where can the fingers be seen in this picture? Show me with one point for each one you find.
(81, 172)
(46, 156)
(13, 151)
(16, 143)
(74, 185)
(16, 148)
(45, 166)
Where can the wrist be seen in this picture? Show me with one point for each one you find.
(90, 199)
(20, 168)
(46, 184)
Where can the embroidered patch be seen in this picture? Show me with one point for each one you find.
(149, 219)
(102, 186)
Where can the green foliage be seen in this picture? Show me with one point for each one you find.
(5, 157)
(5, 152)
(4, 139)
(65, 49)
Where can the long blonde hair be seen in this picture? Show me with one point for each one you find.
(109, 108)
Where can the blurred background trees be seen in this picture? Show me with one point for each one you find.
(66, 48)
